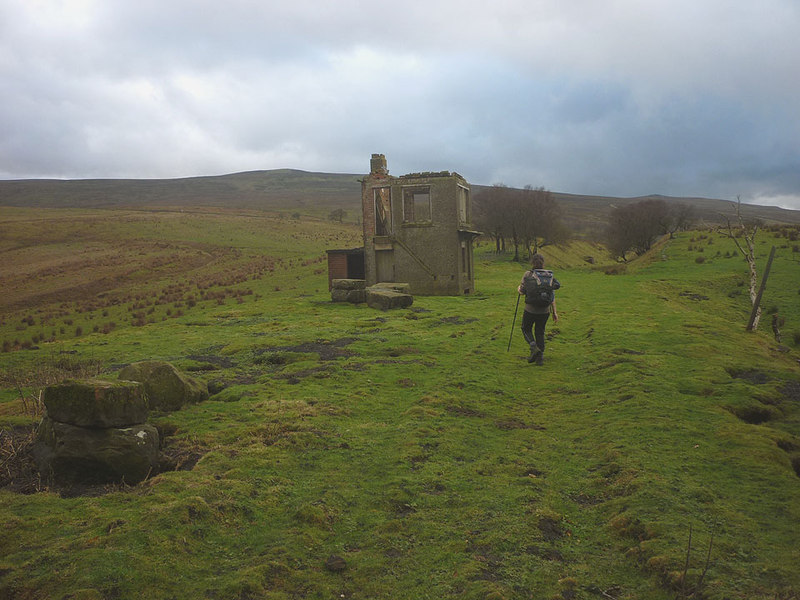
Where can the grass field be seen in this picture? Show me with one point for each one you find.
(410, 444)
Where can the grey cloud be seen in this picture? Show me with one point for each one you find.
(618, 98)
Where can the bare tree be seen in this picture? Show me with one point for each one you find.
(680, 218)
(488, 215)
(542, 223)
(634, 227)
(743, 233)
(337, 215)
(528, 218)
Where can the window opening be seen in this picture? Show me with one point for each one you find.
(463, 204)
(383, 211)
(417, 205)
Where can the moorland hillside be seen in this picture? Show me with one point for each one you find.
(318, 194)
(353, 453)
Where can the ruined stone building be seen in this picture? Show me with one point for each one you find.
(417, 230)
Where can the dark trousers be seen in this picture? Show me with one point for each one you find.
(536, 322)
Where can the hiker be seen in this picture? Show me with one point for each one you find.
(537, 286)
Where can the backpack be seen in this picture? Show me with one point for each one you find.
(539, 285)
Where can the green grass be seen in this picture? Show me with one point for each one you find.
(436, 463)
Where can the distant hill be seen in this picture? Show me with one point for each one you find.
(280, 189)
(305, 192)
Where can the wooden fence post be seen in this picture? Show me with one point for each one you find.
(757, 302)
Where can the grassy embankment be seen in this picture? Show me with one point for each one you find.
(410, 443)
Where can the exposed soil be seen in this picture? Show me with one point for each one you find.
(752, 414)
(456, 320)
(223, 362)
(550, 528)
(463, 411)
(693, 296)
(326, 350)
(517, 424)
(791, 391)
(749, 375)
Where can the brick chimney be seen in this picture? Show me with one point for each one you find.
(377, 165)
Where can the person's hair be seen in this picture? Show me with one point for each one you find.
(537, 261)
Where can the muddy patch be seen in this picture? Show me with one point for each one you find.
(456, 320)
(550, 528)
(752, 414)
(214, 360)
(791, 392)
(463, 411)
(693, 296)
(750, 375)
(517, 424)
(325, 350)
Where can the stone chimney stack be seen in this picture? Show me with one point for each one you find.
(377, 165)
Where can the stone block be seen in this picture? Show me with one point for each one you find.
(93, 455)
(387, 299)
(353, 296)
(403, 288)
(348, 284)
(96, 403)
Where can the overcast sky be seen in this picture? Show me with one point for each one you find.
(617, 97)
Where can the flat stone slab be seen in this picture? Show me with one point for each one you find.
(96, 403)
(348, 284)
(384, 299)
(403, 288)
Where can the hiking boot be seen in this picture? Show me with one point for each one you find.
(539, 359)
(535, 352)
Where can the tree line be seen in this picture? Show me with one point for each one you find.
(531, 218)
(634, 227)
(526, 219)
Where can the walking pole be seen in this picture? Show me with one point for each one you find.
(513, 324)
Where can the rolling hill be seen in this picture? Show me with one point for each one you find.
(307, 192)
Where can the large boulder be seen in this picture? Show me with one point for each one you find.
(96, 403)
(166, 387)
(385, 299)
(94, 455)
